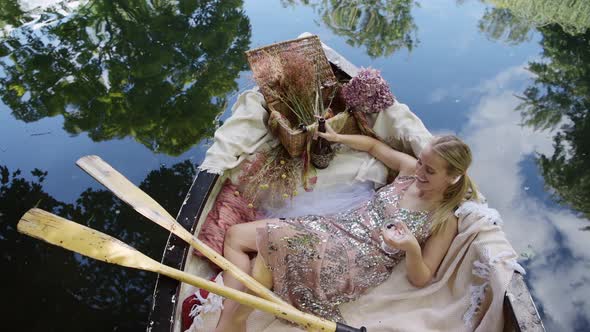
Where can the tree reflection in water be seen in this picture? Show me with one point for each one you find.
(571, 15)
(559, 98)
(501, 24)
(10, 14)
(156, 71)
(92, 287)
(382, 27)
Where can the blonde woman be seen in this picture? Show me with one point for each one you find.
(318, 262)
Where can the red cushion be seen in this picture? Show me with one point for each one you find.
(229, 209)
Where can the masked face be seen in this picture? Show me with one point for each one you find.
(431, 171)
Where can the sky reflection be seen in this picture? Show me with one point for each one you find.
(554, 250)
(452, 73)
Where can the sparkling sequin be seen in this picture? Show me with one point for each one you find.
(319, 262)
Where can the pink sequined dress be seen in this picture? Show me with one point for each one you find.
(319, 262)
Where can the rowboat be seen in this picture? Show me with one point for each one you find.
(520, 312)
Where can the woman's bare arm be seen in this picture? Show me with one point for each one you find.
(398, 161)
(422, 264)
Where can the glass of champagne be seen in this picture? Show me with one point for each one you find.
(394, 230)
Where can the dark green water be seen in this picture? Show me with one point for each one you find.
(144, 85)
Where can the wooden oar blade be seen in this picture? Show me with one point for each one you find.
(61, 232)
(128, 192)
(148, 207)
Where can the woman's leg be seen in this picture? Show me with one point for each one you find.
(240, 240)
(262, 274)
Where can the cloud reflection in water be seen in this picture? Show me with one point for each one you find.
(555, 252)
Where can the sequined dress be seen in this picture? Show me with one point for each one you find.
(319, 262)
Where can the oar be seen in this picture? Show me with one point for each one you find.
(94, 244)
(148, 207)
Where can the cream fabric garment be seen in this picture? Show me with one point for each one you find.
(243, 133)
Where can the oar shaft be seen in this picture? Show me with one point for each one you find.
(211, 254)
(286, 312)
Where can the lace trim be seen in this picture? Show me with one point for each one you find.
(212, 303)
(211, 169)
(483, 269)
(477, 296)
(492, 216)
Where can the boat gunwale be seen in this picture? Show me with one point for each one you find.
(176, 251)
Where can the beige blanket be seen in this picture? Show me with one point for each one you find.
(468, 290)
(466, 295)
(242, 134)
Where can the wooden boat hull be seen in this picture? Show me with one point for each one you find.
(166, 291)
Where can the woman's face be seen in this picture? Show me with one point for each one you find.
(431, 171)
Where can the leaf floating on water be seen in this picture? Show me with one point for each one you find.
(528, 253)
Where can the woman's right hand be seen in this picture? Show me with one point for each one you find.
(329, 135)
(398, 236)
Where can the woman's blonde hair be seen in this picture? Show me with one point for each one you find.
(457, 154)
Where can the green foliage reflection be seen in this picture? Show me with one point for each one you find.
(559, 99)
(156, 71)
(382, 27)
(513, 21)
(49, 281)
(501, 24)
(10, 13)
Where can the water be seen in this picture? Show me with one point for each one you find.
(145, 84)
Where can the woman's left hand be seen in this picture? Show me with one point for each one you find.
(406, 241)
(331, 135)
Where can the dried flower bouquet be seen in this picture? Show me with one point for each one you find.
(293, 79)
(271, 177)
(367, 92)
